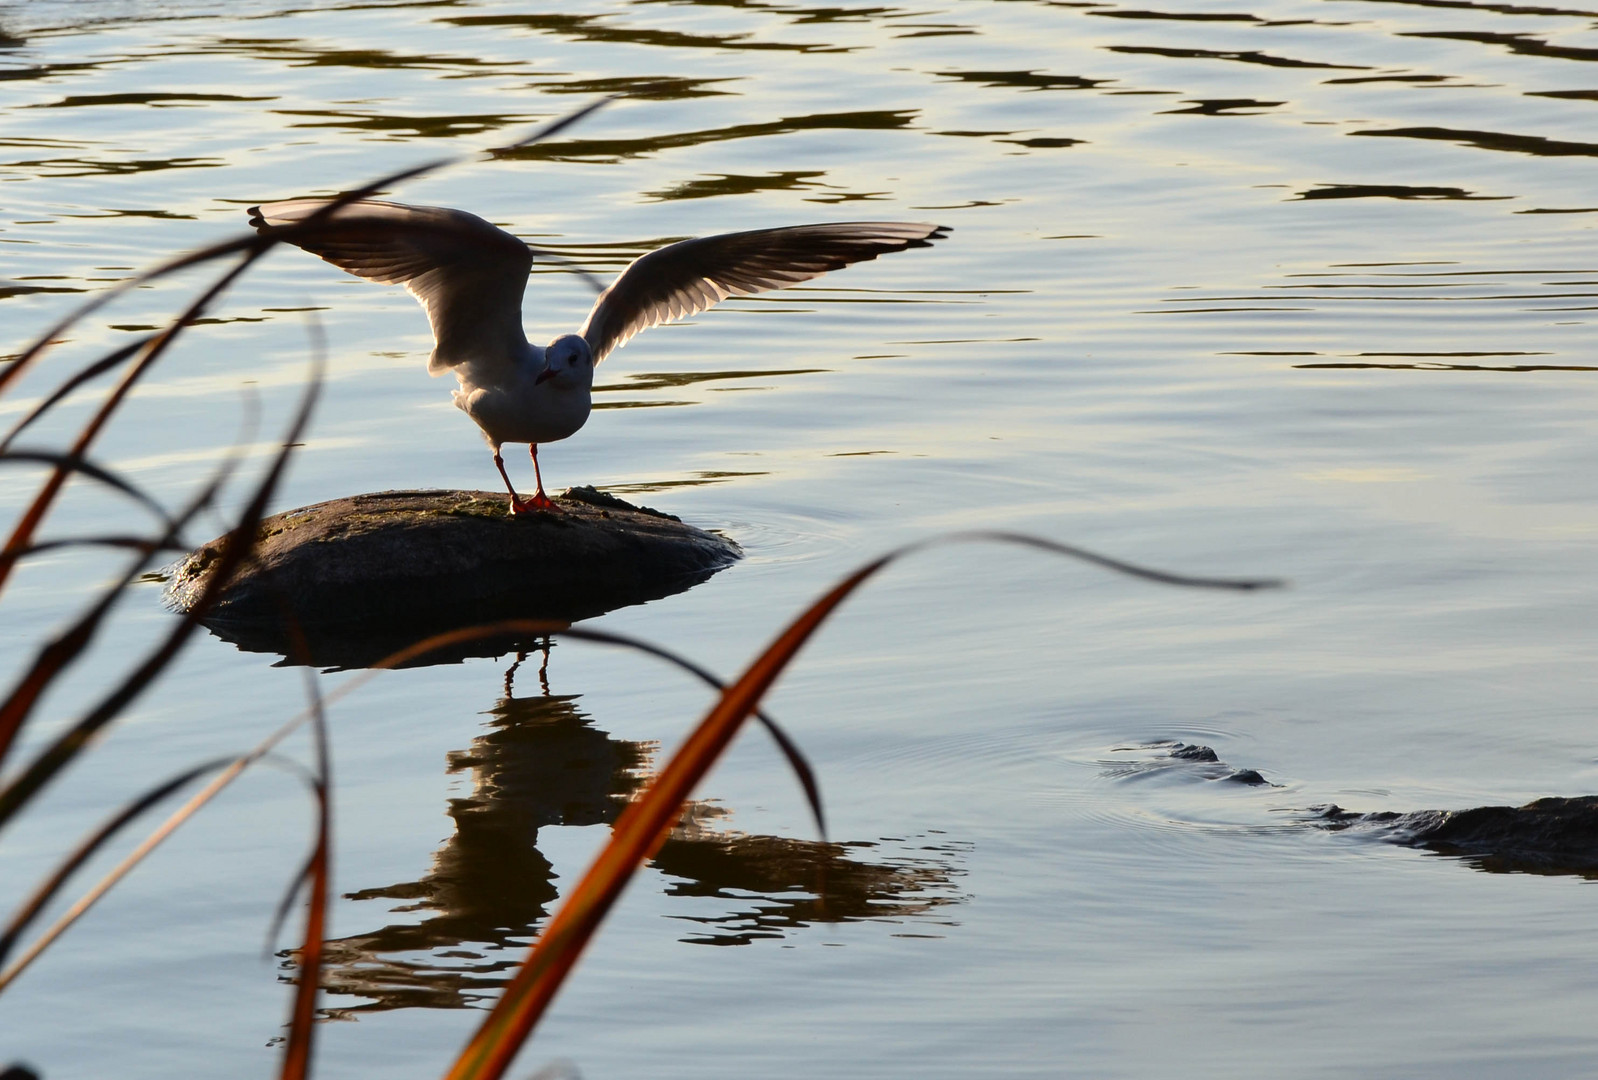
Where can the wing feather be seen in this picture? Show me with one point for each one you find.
(688, 277)
(468, 275)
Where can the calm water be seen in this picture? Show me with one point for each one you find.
(1292, 288)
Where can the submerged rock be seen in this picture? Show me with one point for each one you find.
(365, 575)
(1547, 836)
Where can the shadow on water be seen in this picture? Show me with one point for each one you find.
(540, 763)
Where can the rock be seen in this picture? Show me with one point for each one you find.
(1547, 836)
(365, 575)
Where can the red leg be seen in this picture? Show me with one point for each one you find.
(517, 506)
(539, 500)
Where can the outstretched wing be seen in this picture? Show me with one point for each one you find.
(685, 278)
(469, 275)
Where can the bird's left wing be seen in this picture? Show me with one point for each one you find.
(685, 278)
(468, 274)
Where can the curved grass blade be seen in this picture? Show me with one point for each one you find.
(302, 1023)
(231, 767)
(22, 534)
(99, 367)
(142, 544)
(73, 463)
(240, 542)
(645, 823)
(58, 653)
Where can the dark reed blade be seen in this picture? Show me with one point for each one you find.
(302, 1025)
(99, 367)
(30, 907)
(60, 652)
(143, 544)
(22, 534)
(229, 769)
(314, 712)
(646, 821)
(75, 464)
(240, 542)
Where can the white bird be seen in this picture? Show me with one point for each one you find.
(469, 276)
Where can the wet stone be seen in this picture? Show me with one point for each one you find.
(365, 575)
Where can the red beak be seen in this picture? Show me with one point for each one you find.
(545, 375)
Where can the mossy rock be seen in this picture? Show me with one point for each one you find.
(365, 575)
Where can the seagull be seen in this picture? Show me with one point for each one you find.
(469, 275)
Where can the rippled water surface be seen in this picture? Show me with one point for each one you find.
(1300, 288)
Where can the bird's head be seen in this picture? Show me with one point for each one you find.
(568, 362)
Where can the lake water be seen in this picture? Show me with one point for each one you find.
(1299, 288)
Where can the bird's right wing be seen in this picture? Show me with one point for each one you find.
(468, 274)
(685, 278)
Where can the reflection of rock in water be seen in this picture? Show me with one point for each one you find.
(541, 763)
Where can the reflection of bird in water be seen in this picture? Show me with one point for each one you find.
(797, 882)
(469, 275)
(541, 763)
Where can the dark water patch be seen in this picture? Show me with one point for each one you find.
(1565, 95)
(1491, 140)
(32, 72)
(1552, 836)
(69, 168)
(1392, 191)
(640, 405)
(297, 53)
(613, 150)
(1560, 210)
(714, 185)
(1497, 9)
(641, 87)
(1434, 365)
(657, 380)
(1524, 44)
(1218, 310)
(1241, 56)
(597, 28)
(1044, 142)
(1029, 79)
(106, 212)
(1180, 16)
(1222, 107)
(699, 479)
(403, 128)
(1351, 80)
(154, 100)
(7, 291)
(816, 15)
(945, 30)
